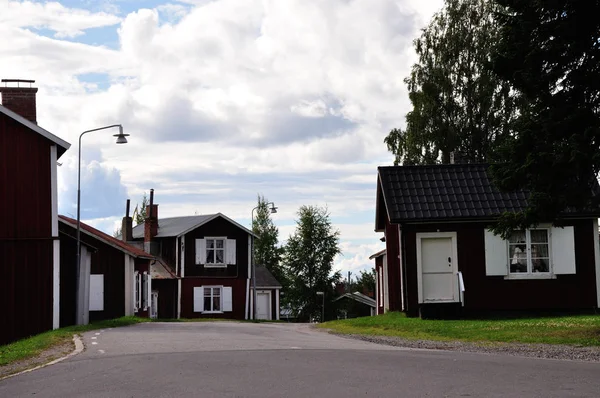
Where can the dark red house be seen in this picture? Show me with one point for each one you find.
(29, 245)
(441, 256)
(382, 294)
(211, 257)
(115, 277)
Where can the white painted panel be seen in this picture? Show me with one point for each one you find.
(435, 255)
(56, 285)
(438, 287)
(200, 251)
(97, 292)
(563, 250)
(136, 291)
(496, 255)
(597, 259)
(227, 299)
(198, 299)
(231, 252)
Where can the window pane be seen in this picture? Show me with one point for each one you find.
(220, 256)
(207, 291)
(539, 236)
(539, 250)
(517, 237)
(216, 291)
(207, 306)
(210, 256)
(210, 243)
(220, 243)
(540, 264)
(518, 258)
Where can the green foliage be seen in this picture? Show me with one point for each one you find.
(267, 253)
(574, 330)
(308, 262)
(458, 104)
(550, 52)
(365, 283)
(139, 213)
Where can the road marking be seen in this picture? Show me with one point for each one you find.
(97, 334)
(94, 338)
(101, 351)
(94, 343)
(296, 348)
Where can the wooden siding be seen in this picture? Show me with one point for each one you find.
(26, 242)
(392, 240)
(167, 297)
(25, 288)
(167, 251)
(483, 293)
(68, 247)
(218, 227)
(238, 296)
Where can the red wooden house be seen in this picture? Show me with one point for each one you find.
(211, 257)
(441, 256)
(29, 245)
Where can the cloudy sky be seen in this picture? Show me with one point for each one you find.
(224, 100)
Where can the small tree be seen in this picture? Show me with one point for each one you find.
(266, 250)
(139, 213)
(308, 262)
(365, 283)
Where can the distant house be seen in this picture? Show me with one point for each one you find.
(115, 277)
(210, 255)
(441, 256)
(354, 305)
(29, 245)
(267, 294)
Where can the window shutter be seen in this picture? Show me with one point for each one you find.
(231, 252)
(200, 251)
(496, 255)
(198, 299)
(149, 290)
(144, 291)
(563, 250)
(96, 292)
(227, 299)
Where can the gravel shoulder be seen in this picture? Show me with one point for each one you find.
(49, 355)
(547, 351)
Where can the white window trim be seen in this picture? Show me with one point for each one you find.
(532, 275)
(216, 265)
(220, 298)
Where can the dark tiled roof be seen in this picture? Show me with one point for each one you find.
(444, 192)
(264, 278)
(117, 243)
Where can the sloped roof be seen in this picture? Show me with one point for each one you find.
(361, 298)
(264, 278)
(112, 241)
(176, 226)
(160, 270)
(378, 254)
(443, 192)
(62, 144)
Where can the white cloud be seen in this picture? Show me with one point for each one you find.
(65, 22)
(225, 99)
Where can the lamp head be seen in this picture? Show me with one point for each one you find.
(273, 208)
(121, 138)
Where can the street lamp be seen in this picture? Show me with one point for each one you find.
(323, 306)
(273, 210)
(121, 139)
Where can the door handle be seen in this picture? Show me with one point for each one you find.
(449, 262)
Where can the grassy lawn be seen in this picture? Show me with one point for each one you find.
(581, 330)
(34, 345)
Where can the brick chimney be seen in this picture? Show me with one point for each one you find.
(19, 97)
(151, 226)
(127, 225)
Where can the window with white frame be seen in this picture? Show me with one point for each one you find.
(212, 299)
(529, 251)
(215, 251)
(137, 291)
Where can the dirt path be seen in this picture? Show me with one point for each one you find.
(54, 352)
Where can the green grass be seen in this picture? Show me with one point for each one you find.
(32, 346)
(579, 330)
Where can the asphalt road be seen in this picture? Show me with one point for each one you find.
(225, 359)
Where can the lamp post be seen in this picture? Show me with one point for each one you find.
(322, 306)
(121, 139)
(273, 210)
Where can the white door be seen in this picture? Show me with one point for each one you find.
(436, 258)
(154, 305)
(263, 308)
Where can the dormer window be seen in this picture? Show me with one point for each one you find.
(214, 252)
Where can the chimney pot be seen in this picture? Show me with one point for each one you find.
(151, 225)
